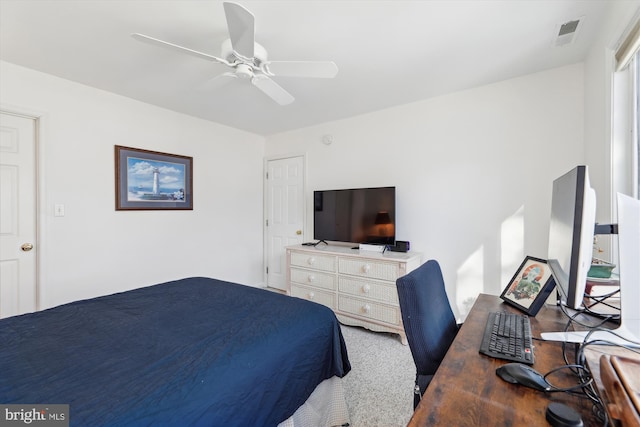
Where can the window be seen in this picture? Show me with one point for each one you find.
(626, 115)
(636, 126)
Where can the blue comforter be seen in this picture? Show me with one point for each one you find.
(196, 351)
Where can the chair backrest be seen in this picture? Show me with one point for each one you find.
(427, 316)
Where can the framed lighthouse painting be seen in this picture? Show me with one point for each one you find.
(150, 180)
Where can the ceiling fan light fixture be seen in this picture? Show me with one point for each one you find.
(244, 71)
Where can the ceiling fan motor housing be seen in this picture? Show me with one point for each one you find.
(259, 54)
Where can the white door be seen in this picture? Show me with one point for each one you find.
(285, 215)
(17, 215)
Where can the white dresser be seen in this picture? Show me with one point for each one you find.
(359, 286)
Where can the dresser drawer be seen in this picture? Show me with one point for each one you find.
(369, 309)
(317, 262)
(321, 297)
(368, 268)
(369, 289)
(313, 278)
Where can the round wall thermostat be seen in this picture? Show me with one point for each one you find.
(327, 139)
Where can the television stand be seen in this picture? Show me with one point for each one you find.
(360, 287)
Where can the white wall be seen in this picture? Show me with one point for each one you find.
(473, 171)
(94, 249)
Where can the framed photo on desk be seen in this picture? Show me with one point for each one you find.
(530, 286)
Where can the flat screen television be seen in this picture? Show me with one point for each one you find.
(357, 215)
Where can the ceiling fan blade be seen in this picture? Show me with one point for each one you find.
(156, 42)
(325, 69)
(241, 26)
(218, 81)
(272, 89)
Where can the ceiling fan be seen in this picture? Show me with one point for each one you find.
(248, 60)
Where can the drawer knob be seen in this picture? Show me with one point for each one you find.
(311, 261)
(312, 278)
(366, 268)
(366, 289)
(366, 308)
(312, 295)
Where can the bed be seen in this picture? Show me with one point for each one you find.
(196, 351)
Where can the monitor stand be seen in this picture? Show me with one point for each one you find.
(621, 336)
(629, 253)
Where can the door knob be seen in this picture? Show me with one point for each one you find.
(298, 232)
(26, 247)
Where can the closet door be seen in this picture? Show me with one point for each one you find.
(284, 222)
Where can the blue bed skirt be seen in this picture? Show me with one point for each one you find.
(196, 351)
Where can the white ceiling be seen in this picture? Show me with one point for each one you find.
(388, 52)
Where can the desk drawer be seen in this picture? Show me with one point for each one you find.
(370, 310)
(313, 278)
(379, 291)
(366, 268)
(315, 295)
(317, 262)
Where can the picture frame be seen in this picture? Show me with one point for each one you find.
(530, 287)
(151, 180)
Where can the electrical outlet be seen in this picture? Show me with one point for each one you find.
(58, 210)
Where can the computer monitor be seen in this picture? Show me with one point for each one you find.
(628, 332)
(571, 230)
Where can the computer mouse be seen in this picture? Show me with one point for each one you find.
(518, 373)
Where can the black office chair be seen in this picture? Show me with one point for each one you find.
(428, 321)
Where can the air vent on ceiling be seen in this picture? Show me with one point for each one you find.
(567, 32)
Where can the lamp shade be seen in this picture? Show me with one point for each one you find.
(383, 217)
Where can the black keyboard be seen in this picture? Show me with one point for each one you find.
(508, 336)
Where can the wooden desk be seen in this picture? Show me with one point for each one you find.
(467, 392)
(593, 354)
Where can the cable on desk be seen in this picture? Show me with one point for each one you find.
(584, 388)
(590, 392)
(580, 368)
(572, 319)
(587, 342)
(602, 299)
(582, 384)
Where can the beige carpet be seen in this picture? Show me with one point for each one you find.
(380, 385)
